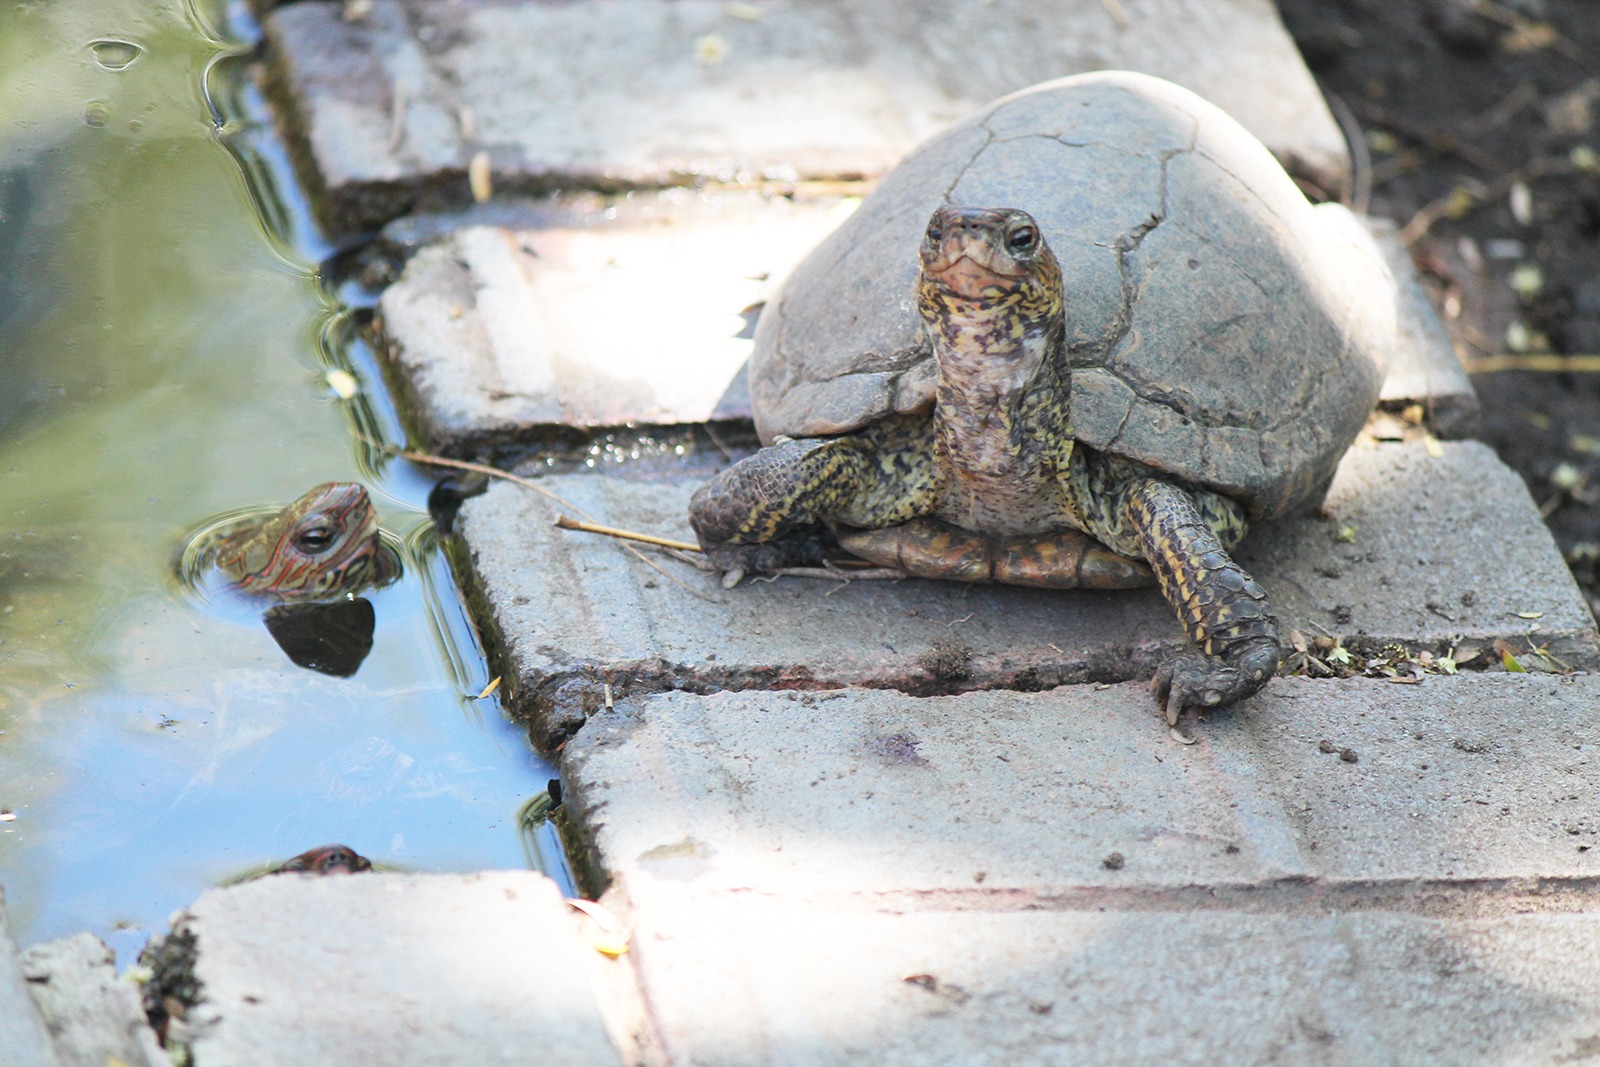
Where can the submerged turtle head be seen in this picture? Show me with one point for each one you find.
(324, 544)
(990, 297)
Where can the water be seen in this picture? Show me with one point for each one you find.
(165, 356)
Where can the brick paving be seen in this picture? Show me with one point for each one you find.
(868, 822)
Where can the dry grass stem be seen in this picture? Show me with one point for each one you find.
(627, 535)
(1546, 362)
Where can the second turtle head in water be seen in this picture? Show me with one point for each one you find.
(322, 546)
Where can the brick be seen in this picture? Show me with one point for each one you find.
(1019, 797)
(23, 1036)
(1425, 369)
(590, 314)
(1476, 777)
(388, 109)
(750, 979)
(396, 969)
(94, 1017)
(1426, 567)
(859, 791)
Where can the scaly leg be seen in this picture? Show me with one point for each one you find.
(767, 510)
(1223, 609)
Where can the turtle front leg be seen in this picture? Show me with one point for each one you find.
(1223, 609)
(768, 510)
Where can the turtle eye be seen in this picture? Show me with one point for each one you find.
(935, 233)
(1022, 239)
(314, 539)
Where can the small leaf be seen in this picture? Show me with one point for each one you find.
(490, 688)
(1521, 201)
(710, 49)
(1434, 447)
(1508, 656)
(1530, 614)
(1339, 654)
(1567, 476)
(1347, 535)
(1526, 279)
(480, 177)
(1459, 202)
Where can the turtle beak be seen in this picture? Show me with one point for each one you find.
(965, 277)
(959, 258)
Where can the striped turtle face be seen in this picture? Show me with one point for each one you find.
(324, 544)
(990, 264)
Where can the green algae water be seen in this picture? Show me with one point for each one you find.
(165, 355)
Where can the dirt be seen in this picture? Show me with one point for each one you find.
(1482, 123)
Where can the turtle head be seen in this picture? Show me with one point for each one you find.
(323, 544)
(990, 297)
(989, 262)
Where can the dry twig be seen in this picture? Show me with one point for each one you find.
(496, 472)
(1458, 201)
(627, 535)
(1546, 362)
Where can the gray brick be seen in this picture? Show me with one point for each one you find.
(1425, 551)
(478, 969)
(572, 607)
(23, 1038)
(1425, 368)
(588, 314)
(747, 979)
(1013, 796)
(1477, 777)
(389, 108)
(870, 792)
(94, 1017)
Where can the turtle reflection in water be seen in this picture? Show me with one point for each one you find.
(1131, 338)
(312, 558)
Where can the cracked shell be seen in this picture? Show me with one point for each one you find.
(1220, 328)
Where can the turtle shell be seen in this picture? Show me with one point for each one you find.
(1219, 328)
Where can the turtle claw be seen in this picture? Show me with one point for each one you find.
(1173, 684)
(1203, 682)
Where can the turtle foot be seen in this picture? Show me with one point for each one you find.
(1200, 682)
(803, 550)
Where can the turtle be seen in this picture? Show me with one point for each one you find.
(1085, 338)
(325, 859)
(323, 546)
